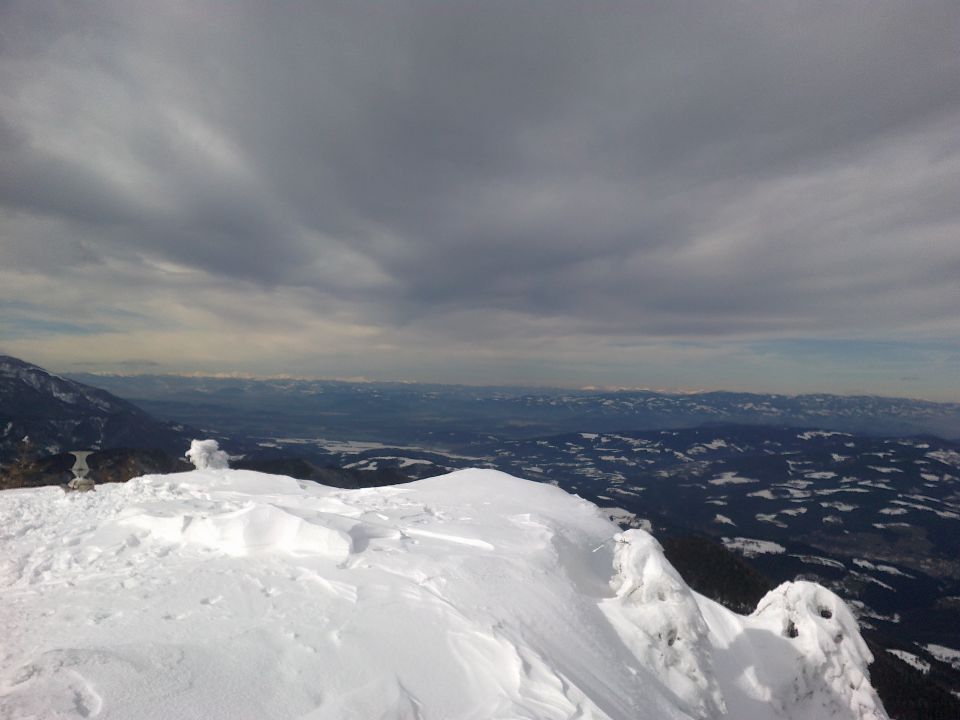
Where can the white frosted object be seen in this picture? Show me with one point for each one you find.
(207, 455)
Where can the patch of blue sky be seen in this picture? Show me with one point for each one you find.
(22, 319)
(16, 328)
(844, 350)
(911, 368)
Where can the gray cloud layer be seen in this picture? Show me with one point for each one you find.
(427, 176)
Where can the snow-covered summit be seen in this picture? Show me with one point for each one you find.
(231, 594)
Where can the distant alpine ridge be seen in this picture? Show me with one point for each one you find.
(457, 416)
(60, 415)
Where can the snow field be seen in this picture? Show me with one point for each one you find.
(232, 594)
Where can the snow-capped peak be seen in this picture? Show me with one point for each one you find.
(227, 593)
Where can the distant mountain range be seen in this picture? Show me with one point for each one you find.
(451, 416)
(59, 415)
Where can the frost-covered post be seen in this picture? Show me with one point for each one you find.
(207, 455)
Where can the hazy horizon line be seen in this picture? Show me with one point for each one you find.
(599, 389)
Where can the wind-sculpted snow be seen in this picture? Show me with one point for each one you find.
(233, 594)
(829, 651)
(657, 616)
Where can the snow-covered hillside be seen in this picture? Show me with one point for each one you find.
(59, 415)
(232, 594)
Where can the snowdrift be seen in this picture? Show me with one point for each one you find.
(231, 594)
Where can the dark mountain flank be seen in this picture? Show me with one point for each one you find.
(60, 415)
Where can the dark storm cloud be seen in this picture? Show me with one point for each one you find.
(631, 169)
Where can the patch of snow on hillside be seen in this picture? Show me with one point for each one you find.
(226, 593)
(751, 548)
(616, 459)
(875, 484)
(630, 493)
(948, 457)
(401, 461)
(870, 579)
(861, 610)
(359, 446)
(945, 655)
(817, 560)
(770, 518)
(811, 434)
(889, 569)
(716, 444)
(842, 507)
(912, 660)
(730, 478)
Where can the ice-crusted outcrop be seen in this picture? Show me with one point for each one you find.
(659, 620)
(829, 675)
(225, 593)
(799, 655)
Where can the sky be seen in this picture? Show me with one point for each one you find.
(692, 195)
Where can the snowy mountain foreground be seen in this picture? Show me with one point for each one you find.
(231, 594)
